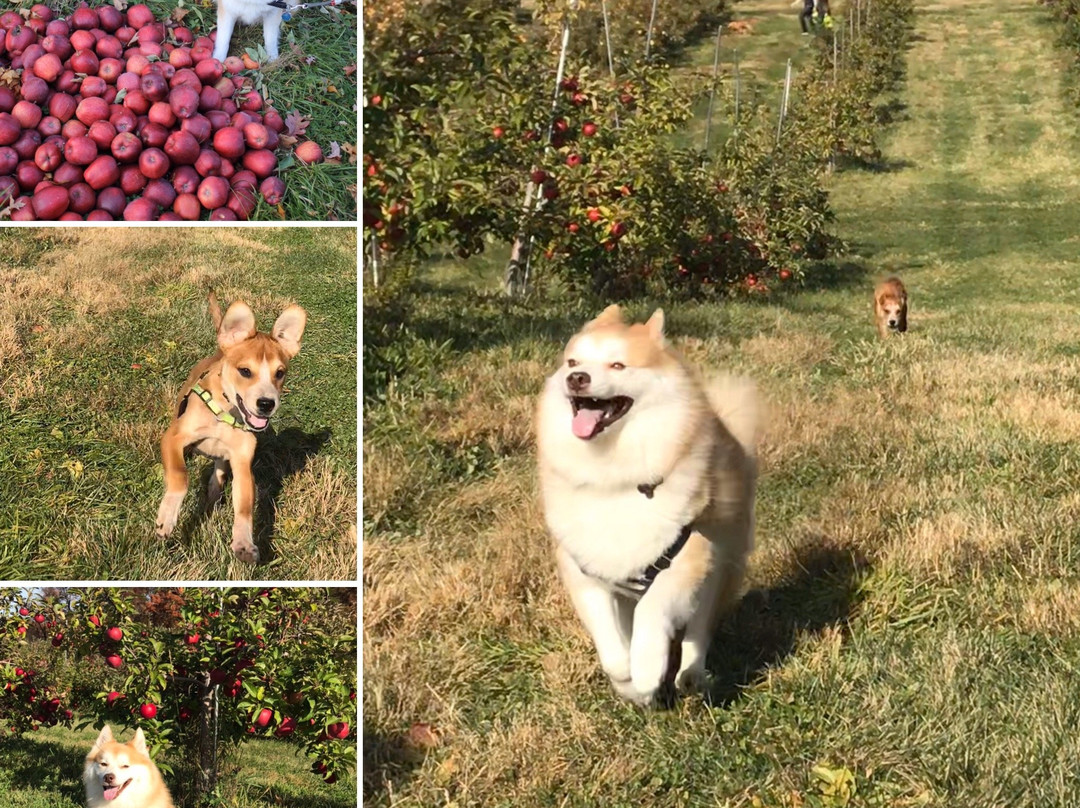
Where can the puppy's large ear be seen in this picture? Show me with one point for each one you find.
(104, 737)
(655, 325)
(289, 328)
(237, 325)
(138, 743)
(609, 316)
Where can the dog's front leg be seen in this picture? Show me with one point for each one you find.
(225, 24)
(243, 544)
(660, 614)
(271, 33)
(176, 480)
(599, 612)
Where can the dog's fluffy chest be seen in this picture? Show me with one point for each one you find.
(249, 12)
(615, 533)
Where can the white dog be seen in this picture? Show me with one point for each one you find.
(248, 12)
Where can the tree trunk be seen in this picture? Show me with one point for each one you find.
(206, 776)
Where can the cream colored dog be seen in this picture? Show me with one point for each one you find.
(122, 775)
(648, 481)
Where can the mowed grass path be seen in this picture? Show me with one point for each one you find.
(98, 330)
(914, 606)
(44, 770)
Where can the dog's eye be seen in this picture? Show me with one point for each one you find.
(280, 374)
(245, 372)
(571, 363)
(618, 366)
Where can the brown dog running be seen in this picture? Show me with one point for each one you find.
(890, 307)
(226, 399)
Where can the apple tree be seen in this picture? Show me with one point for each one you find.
(200, 670)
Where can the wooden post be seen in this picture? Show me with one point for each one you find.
(515, 279)
(712, 92)
(648, 34)
(738, 93)
(375, 262)
(784, 102)
(610, 57)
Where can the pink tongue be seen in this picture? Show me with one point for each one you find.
(586, 422)
(257, 422)
(110, 793)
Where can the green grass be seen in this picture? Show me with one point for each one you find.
(44, 770)
(315, 76)
(913, 613)
(100, 329)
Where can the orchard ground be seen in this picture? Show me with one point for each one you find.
(912, 626)
(316, 76)
(99, 329)
(44, 770)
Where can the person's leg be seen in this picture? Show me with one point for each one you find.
(806, 15)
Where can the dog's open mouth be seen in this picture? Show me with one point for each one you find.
(256, 422)
(593, 415)
(111, 794)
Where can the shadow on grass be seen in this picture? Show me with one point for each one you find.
(821, 590)
(44, 766)
(386, 761)
(836, 274)
(881, 165)
(279, 456)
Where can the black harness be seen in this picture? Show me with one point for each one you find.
(638, 586)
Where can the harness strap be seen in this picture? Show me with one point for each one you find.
(216, 409)
(641, 584)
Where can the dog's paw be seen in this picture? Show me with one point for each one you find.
(168, 513)
(626, 690)
(693, 679)
(245, 551)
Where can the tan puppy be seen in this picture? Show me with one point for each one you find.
(890, 307)
(122, 775)
(648, 489)
(227, 398)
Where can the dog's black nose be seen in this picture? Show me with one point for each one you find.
(109, 779)
(265, 405)
(578, 380)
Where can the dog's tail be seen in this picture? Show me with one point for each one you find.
(215, 310)
(734, 399)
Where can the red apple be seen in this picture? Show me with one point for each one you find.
(112, 200)
(213, 192)
(115, 634)
(81, 151)
(126, 147)
(114, 661)
(309, 152)
(148, 711)
(273, 190)
(264, 716)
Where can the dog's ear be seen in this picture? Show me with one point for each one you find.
(289, 328)
(655, 325)
(104, 737)
(609, 316)
(138, 743)
(237, 325)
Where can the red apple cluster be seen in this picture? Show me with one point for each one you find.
(122, 116)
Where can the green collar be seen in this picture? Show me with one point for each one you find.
(222, 415)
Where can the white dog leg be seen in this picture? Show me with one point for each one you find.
(597, 608)
(271, 33)
(662, 612)
(225, 24)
